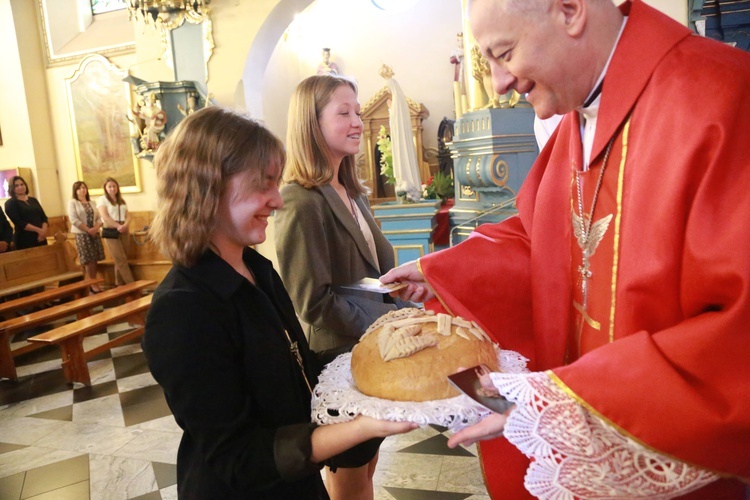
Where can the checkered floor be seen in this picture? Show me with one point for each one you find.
(117, 438)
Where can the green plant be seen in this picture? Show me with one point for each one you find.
(386, 155)
(438, 186)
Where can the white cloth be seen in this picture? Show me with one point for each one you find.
(336, 399)
(543, 129)
(118, 213)
(405, 166)
(575, 454)
(590, 112)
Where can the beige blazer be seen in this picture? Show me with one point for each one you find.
(77, 216)
(321, 248)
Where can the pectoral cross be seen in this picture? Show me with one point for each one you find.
(588, 237)
(585, 271)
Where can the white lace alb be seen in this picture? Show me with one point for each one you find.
(577, 455)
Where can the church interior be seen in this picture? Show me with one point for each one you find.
(75, 96)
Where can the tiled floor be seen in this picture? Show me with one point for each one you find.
(118, 440)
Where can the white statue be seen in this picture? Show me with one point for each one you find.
(405, 166)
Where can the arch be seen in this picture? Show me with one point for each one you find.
(262, 48)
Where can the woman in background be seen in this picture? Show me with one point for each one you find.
(114, 213)
(85, 223)
(27, 216)
(222, 337)
(326, 237)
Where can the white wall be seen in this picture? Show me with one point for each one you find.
(416, 44)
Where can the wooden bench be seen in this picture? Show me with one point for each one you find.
(69, 338)
(79, 289)
(80, 307)
(23, 270)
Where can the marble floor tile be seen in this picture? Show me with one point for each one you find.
(11, 486)
(27, 430)
(45, 366)
(461, 474)
(36, 405)
(401, 441)
(78, 491)
(166, 424)
(88, 438)
(101, 371)
(120, 478)
(407, 470)
(30, 458)
(56, 475)
(156, 446)
(102, 411)
(138, 381)
(88, 393)
(166, 474)
(169, 493)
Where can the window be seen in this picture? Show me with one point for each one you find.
(102, 6)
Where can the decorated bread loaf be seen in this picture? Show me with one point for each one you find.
(407, 355)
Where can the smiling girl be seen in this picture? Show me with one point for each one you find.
(222, 337)
(326, 237)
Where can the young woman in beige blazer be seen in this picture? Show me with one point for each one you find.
(326, 237)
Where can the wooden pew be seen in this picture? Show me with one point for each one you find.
(23, 270)
(78, 289)
(80, 307)
(69, 338)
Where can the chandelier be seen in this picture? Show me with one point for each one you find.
(169, 13)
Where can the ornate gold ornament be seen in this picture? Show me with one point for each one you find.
(168, 13)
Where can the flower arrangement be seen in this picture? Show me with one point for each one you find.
(438, 186)
(386, 155)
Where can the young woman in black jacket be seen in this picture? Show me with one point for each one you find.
(222, 338)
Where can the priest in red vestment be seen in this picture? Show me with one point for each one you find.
(625, 276)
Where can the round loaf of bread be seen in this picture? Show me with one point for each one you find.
(407, 355)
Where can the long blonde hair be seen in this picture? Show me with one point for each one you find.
(194, 165)
(308, 156)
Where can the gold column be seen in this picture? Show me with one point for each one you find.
(475, 93)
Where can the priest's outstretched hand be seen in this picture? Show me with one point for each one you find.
(416, 290)
(489, 428)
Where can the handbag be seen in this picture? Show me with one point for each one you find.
(110, 233)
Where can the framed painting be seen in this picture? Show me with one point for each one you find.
(103, 133)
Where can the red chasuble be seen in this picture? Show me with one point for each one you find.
(661, 349)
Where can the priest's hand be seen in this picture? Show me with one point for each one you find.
(489, 428)
(416, 290)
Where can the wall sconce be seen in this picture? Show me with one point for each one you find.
(169, 13)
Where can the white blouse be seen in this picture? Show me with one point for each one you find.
(118, 212)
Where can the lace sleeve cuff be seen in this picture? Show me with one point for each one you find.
(577, 455)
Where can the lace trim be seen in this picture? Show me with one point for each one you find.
(577, 455)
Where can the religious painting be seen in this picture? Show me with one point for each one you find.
(103, 133)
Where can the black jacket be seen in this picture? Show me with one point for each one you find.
(6, 231)
(216, 345)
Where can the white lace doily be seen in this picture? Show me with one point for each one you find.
(336, 399)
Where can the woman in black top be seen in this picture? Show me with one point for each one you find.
(222, 338)
(27, 215)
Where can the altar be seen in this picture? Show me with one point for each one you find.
(408, 227)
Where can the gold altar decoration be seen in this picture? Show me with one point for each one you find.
(168, 13)
(480, 68)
